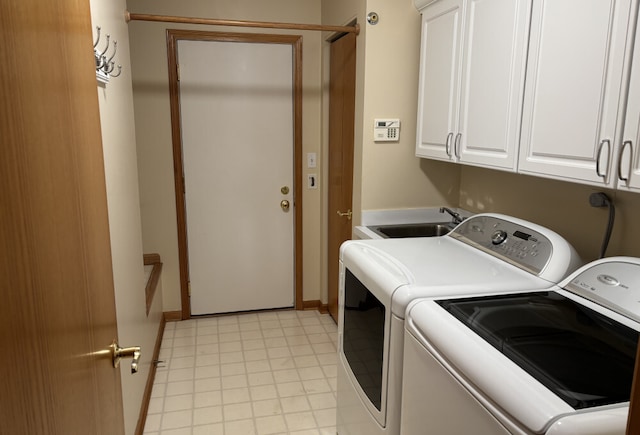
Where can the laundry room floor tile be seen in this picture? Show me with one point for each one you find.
(259, 373)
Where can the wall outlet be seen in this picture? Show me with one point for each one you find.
(312, 181)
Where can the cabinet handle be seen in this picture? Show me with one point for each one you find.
(447, 144)
(622, 148)
(456, 145)
(599, 154)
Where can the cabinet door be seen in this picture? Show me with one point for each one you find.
(492, 88)
(573, 87)
(439, 79)
(629, 164)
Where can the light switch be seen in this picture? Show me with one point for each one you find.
(311, 160)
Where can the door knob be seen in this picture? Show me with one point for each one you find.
(118, 352)
(284, 204)
(348, 214)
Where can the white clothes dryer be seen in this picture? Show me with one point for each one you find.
(556, 361)
(379, 278)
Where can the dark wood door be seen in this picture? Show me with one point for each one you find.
(341, 136)
(57, 316)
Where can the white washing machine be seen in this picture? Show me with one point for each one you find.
(379, 278)
(557, 361)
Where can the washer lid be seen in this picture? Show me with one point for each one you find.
(585, 358)
(532, 356)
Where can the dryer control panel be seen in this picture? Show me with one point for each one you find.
(513, 242)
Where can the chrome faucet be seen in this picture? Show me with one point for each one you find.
(456, 216)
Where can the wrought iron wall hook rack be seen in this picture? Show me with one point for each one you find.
(105, 65)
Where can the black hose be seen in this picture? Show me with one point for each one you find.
(607, 234)
(599, 199)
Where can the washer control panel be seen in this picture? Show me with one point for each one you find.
(614, 284)
(517, 244)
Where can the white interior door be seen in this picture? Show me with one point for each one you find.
(236, 104)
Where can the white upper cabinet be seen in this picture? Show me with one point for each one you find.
(574, 89)
(439, 79)
(472, 73)
(628, 169)
(492, 87)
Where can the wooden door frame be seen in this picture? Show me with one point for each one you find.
(175, 35)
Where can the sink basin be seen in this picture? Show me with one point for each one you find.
(431, 229)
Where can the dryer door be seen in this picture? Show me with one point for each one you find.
(363, 337)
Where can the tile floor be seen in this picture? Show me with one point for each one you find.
(255, 374)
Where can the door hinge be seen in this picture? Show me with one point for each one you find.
(178, 71)
(189, 288)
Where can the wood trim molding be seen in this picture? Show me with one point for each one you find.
(152, 282)
(174, 93)
(172, 316)
(146, 397)
(315, 305)
(633, 421)
(324, 309)
(150, 259)
(297, 146)
(311, 305)
(240, 23)
(175, 35)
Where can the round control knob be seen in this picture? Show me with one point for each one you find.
(608, 280)
(498, 237)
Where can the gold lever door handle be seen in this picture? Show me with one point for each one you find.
(348, 214)
(118, 352)
(284, 204)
